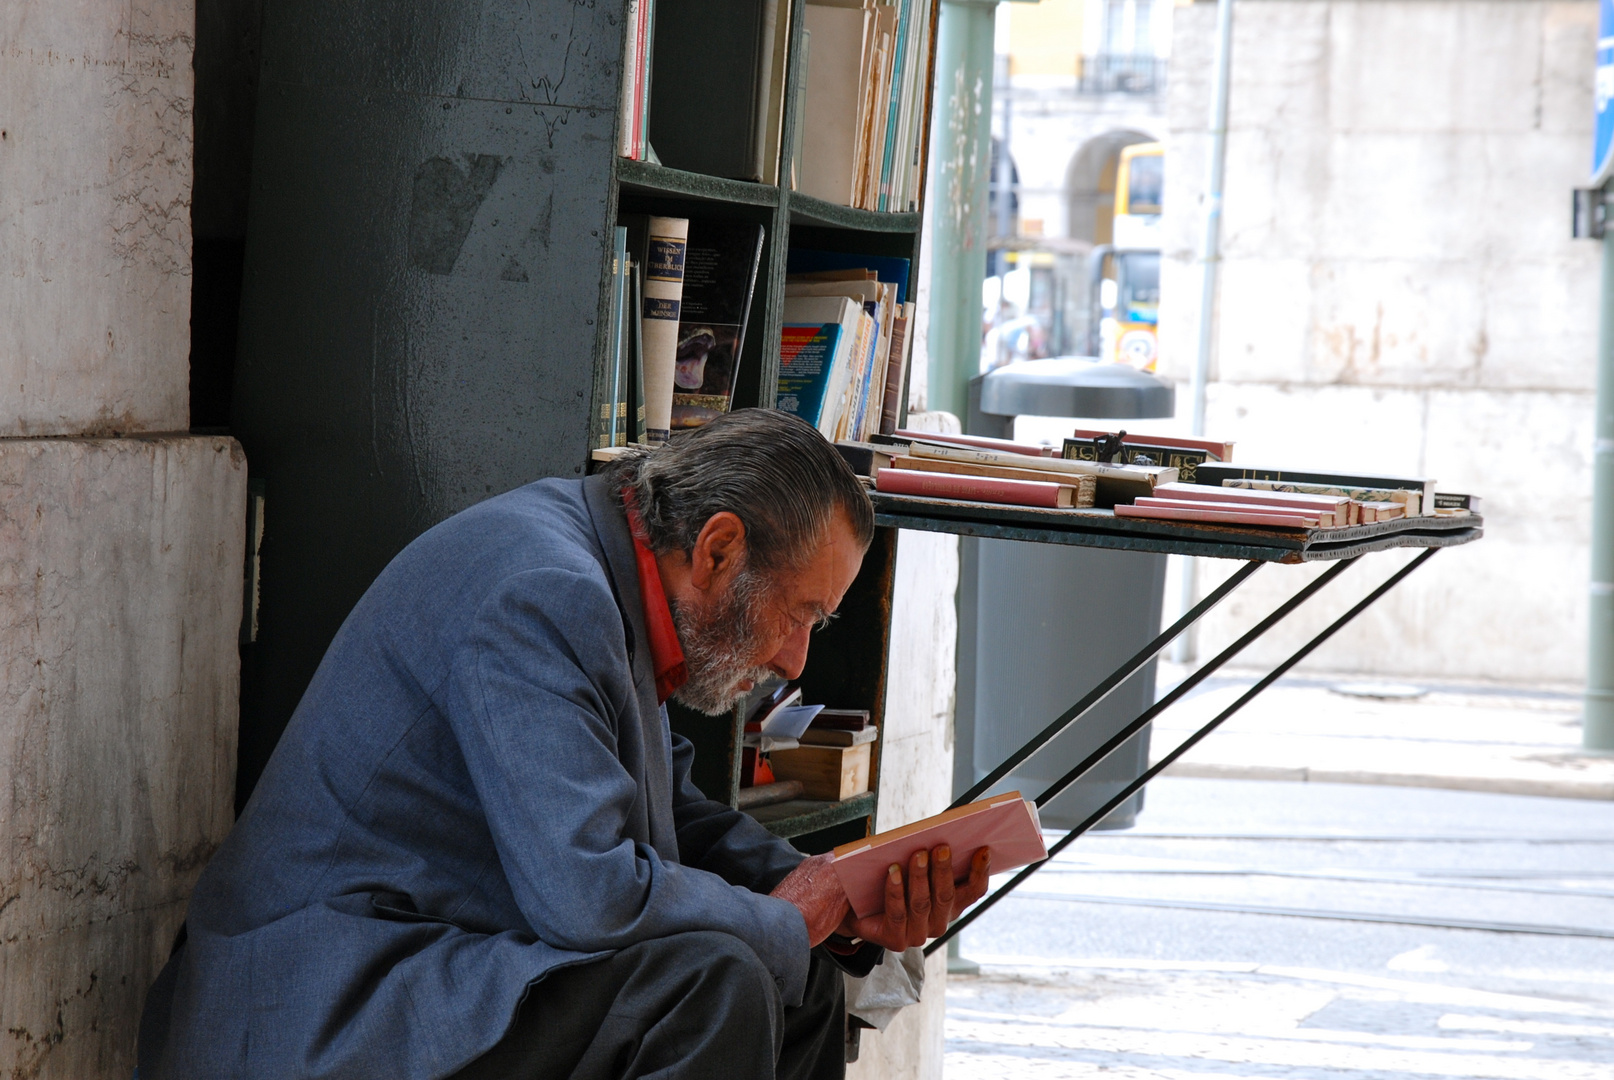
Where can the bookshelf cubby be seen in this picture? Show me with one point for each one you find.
(424, 306)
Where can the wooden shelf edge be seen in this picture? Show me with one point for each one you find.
(800, 816)
(660, 180)
(807, 210)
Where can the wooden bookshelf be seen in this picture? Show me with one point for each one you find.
(424, 309)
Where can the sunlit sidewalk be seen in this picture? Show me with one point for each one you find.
(1350, 729)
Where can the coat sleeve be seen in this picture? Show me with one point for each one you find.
(533, 699)
(725, 841)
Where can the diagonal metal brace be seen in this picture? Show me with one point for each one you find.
(1114, 679)
(1187, 744)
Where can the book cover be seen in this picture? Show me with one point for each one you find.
(829, 109)
(813, 356)
(945, 485)
(720, 275)
(1218, 473)
(1007, 824)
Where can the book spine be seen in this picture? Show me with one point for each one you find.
(636, 433)
(647, 63)
(615, 434)
(889, 151)
(973, 488)
(896, 372)
(663, 293)
(628, 107)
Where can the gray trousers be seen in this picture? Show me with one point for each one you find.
(690, 1006)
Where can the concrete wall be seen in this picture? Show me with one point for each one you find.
(95, 171)
(120, 558)
(120, 599)
(916, 769)
(1400, 293)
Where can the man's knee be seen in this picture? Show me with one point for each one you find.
(723, 968)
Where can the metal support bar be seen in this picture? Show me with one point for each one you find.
(1102, 690)
(1186, 745)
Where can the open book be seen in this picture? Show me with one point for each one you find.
(1005, 823)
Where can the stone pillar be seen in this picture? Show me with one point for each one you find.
(121, 535)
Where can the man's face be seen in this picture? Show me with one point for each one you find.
(754, 625)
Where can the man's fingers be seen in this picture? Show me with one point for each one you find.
(894, 926)
(975, 888)
(941, 889)
(918, 898)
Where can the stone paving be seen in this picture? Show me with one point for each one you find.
(1304, 930)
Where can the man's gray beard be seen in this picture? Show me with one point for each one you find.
(718, 640)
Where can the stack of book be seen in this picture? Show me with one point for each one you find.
(704, 84)
(1141, 477)
(997, 471)
(633, 121)
(677, 326)
(845, 345)
(867, 67)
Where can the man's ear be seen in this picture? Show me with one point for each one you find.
(718, 552)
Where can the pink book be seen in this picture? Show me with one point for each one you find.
(980, 442)
(1328, 518)
(1253, 516)
(1005, 823)
(1330, 504)
(943, 485)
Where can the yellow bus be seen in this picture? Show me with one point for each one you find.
(1126, 273)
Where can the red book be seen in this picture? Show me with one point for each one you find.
(1253, 516)
(939, 485)
(980, 442)
(1005, 823)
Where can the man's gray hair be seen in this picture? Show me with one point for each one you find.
(772, 470)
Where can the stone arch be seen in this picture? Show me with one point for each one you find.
(1090, 184)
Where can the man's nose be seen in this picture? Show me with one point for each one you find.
(792, 655)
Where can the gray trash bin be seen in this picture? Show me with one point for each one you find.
(1041, 624)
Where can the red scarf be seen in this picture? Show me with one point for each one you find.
(666, 654)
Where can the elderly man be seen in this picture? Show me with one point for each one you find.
(476, 852)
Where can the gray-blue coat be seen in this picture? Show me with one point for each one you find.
(477, 788)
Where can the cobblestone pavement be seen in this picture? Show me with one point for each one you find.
(1328, 931)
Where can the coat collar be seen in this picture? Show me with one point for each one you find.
(616, 542)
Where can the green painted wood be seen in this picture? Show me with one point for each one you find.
(800, 816)
(649, 178)
(806, 210)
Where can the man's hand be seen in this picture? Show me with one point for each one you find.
(816, 891)
(921, 904)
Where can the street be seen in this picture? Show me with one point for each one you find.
(1250, 928)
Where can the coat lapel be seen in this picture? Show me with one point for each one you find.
(616, 542)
